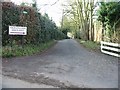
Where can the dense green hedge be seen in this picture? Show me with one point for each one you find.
(40, 28)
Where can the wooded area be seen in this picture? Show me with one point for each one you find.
(85, 18)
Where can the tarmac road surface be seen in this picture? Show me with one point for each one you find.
(66, 64)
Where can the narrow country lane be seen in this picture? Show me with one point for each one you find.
(67, 64)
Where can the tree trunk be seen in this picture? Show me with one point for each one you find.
(103, 29)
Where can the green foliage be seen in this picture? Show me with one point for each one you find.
(39, 27)
(27, 50)
(90, 45)
(65, 30)
(0, 51)
(77, 35)
(67, 25)
(79, 15)
(10, 16)
(109, 13)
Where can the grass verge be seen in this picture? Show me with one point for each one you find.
(0, 52)
(90, 45)
(27, 50)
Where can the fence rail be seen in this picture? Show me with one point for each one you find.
(110, 48)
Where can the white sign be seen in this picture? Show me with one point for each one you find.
(17, 30)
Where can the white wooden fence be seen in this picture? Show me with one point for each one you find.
(110, 48)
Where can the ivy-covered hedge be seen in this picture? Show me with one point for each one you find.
(40, 28)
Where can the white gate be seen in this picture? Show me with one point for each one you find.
(110, 48)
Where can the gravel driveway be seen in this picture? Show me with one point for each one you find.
(67, 64)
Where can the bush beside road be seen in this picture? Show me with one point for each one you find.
(26, 50)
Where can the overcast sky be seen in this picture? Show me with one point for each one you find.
(54, 11)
